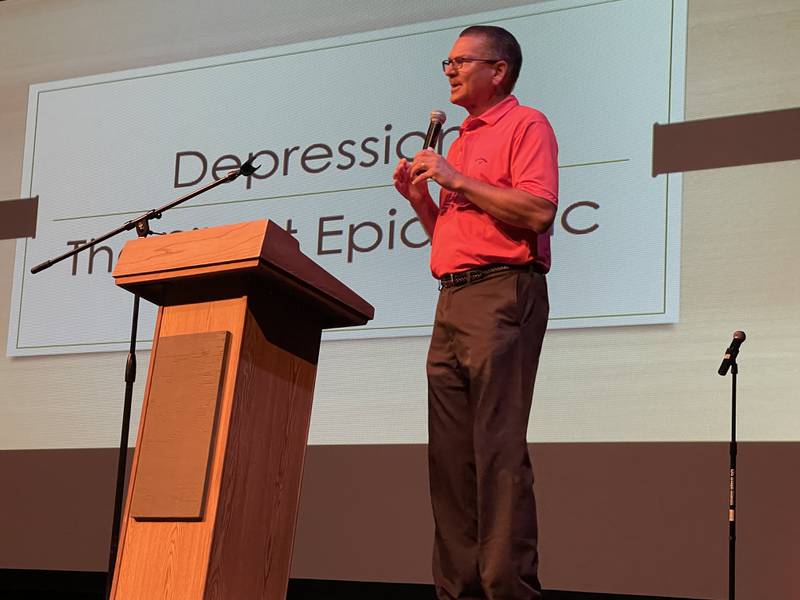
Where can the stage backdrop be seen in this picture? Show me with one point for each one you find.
(327, 122)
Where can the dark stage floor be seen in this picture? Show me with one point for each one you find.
(74, 585)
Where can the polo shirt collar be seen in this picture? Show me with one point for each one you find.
(493, 115)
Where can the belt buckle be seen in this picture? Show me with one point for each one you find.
(445, 281)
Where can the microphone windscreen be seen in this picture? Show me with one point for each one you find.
(438, 116)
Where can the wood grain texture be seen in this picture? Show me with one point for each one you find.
(240, 259)
(129, 280)
(280, 253)
(166, 559)
(177, 440)
(242, 547)
(244, 538)
(193, 249)
(259, 499)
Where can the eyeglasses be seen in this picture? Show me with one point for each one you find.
(459, 61)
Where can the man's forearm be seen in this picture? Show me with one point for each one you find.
(512, 206)
(427, 212)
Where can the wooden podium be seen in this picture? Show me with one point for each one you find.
(215, 481)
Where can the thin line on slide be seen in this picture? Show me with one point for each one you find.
(302, 194)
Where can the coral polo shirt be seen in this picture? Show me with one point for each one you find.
(509, 146)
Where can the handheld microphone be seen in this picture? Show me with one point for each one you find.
(434, 129)
(732, 352)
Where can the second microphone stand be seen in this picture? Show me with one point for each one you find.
(732, 488)
(729, 362)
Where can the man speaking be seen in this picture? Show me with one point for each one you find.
(490, 251)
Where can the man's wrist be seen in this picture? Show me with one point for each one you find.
(459, 183)
(427, 199)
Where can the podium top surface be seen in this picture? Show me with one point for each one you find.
(235, 260)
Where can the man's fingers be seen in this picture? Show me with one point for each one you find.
(420, 177)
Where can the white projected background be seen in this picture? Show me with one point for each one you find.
(327, 120)
(327, 137)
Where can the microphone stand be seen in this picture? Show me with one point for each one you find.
(142, 226)
(729, 362)
(732, 488)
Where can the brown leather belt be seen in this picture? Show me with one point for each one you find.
(466, 277)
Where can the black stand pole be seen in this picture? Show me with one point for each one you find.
(732, 490)
(142, 226)
(122, 456)
(729, 362)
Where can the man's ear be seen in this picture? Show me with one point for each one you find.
(500, 72)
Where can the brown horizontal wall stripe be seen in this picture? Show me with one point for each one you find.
(18, 218)
(727, 141)
(627, 518)
(56, 508)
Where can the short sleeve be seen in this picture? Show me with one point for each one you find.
(534, 161)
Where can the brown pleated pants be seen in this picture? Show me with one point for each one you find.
(481, 370)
